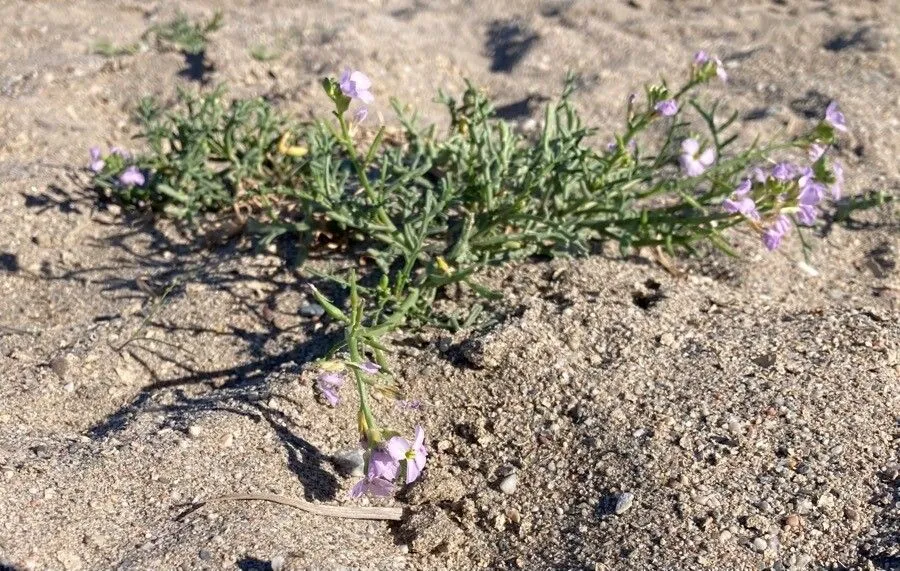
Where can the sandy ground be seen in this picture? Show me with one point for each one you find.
(750, 409)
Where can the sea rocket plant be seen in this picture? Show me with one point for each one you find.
(427, 212)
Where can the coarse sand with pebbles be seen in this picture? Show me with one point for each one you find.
(722, 414)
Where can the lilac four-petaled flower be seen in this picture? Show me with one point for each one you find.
(693, 161)
(356, 85)
(415, 454)
(772, 237)
(701, 58)
(329, 383)
(131, 176)
(741, 203)
(667, 107)
(97, 162)
(834, 117)
(784, 171)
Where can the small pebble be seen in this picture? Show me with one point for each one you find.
(759, 544)
(508, 484)
(349, 462)
(624, 502)
(312, 310)
(195, 431)
(793, 520)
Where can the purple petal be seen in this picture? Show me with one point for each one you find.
(759, 175)
(838, 186)
(381, 488)
(329, 392)
(815, 151)
(397, 447)
(771, 240)
(382, 465)
(720, 70)
(708, 157)
(701, 57)
(419, 442)
(359, 488)
(95, 153)
(744, 188)
(332, 379)
(98, 165)
(806, 215)
(131, 176)
(690, 146)
(360, 80)
(369, 367)
(412, 472)
(782, 224)
(812, 193)
(361, 114)
(834, 117)
(784, 171)
(691, 166)
(744, 206)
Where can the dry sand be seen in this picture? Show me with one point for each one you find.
(749, 409)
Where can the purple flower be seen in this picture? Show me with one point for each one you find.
(131, 176)
(415, 454)
(806, 215)
(369, 367)
(373, 486)
(97, 161)
(815, 151)
(837, 188)
(360, 115)
(811, 193)
(834, 117)
(702, 58)
(772, 237)
(744, 206)
(382, 465)
(784, 171)
(720, 70)
(782, 224)
(759, 175)
(743, 189)
(667, 107)
(355, 85)
(693, 162)
(329, 384)
(771, 240)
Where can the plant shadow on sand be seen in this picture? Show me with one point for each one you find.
(144, 263)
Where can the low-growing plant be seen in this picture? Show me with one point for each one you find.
(427, 211)
(181, 34)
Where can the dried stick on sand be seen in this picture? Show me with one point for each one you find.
(346, 512)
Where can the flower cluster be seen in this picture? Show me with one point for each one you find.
(788, 188)
(116, 162)
(705, 66)
(385, 462)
